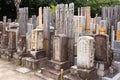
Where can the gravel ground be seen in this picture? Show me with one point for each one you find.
(8, 72)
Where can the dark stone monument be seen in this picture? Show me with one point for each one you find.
(103, 54)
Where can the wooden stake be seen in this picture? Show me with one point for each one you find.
(40, 18)
(87, 20)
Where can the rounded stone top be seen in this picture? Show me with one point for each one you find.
(86, 37)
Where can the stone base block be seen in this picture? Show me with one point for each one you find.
(81, 74)
(53, 69)
(54, 74)
(59, 65)
(34, 64)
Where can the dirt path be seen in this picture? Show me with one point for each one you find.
(8, 72)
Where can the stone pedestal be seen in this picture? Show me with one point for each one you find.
(36, 60)
(59, 65)
(34, 64)
(60, 58)
(81, 74)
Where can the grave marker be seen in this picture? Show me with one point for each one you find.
(23, 19)
(103, 54)
(85, 52)
(37, 39)
(60, 48)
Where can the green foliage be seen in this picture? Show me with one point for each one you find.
(53, 8)
(7, 7)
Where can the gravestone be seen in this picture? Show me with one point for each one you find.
(29, 35)
(23, 19)
(37, 39)
(60, 58)
(37, 57)
(103, 54)
(60, 48)
(85, 69)
(85, 52)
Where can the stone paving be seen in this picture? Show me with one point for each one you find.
(8, 72)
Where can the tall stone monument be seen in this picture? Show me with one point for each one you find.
(85, 69)
(103, 54)
(60, 58)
